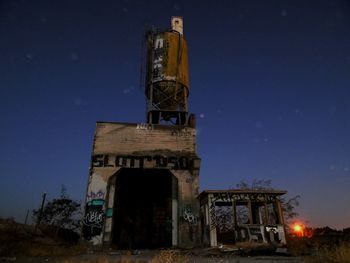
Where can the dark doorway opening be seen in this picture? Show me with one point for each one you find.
(225, 222)
(143, 208)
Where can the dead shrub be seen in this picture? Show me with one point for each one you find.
(169, 256)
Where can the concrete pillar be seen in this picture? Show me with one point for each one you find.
(250, 212)
(267, 220)
(107, 237)
(175, 212)
(234, 213)
(212, 225)
(175, 223)
(279, 211)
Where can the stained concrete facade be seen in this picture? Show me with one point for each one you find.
(143, 186)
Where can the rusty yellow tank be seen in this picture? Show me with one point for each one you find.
(167, 82)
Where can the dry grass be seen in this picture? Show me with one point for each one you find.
(337, 254)
(301, 246)
(101, 259)
(165, 256)
(169, 256)
(40, 250)
(21, 240)
(321, 248)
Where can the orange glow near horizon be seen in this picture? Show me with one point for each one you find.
(298, 229)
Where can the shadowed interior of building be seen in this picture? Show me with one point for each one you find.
(143, 208)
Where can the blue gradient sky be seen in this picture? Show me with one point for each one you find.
(269, 84)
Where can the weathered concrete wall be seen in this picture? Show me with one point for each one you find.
(125, 145)
(188, 232)
(127, 138)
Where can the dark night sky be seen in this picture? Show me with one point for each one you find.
(269, 84)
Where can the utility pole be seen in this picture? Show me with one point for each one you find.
(40, 211)
(25, 221)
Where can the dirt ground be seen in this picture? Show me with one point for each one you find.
(151, 256)
(21, 244)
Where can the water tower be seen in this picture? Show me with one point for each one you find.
(167, 78)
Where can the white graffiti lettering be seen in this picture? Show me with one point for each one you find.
(183, 132)
(271, 229)
(94, 218)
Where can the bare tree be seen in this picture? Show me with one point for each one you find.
(62, 212)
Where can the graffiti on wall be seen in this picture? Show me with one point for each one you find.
(212, 214)
(272, 229)
(94, 218)
(183, 132)
(93, 221)
(258, 234)
(160, 56)
(109, 212)
(177, 132)
(188, 215)
(156, 161)
(95, 195)
(94, 214)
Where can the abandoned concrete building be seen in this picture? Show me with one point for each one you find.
(143, 186)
